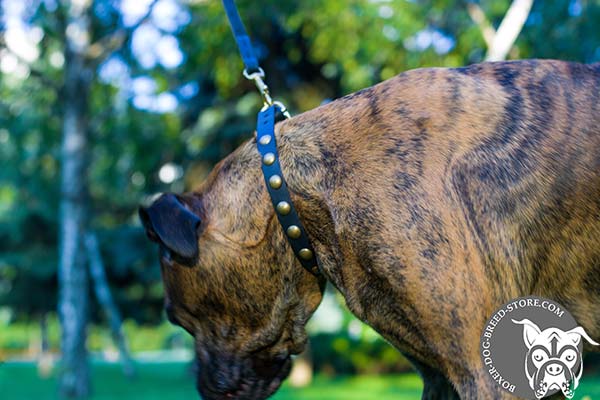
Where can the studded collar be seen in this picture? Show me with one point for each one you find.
(279, 193)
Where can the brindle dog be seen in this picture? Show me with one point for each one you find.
(431, 199)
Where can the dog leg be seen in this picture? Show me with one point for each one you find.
(435, 384)
(476, 385)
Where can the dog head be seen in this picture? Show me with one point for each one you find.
(553, 361)
(232, 281)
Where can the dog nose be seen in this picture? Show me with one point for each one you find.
(554, 369)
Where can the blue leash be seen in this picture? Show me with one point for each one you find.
(267, 147)
(252, 70)
(241, 37)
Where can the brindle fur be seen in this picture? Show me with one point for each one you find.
(431, 199)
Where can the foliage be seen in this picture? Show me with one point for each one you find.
(340, 353)
(20, 337)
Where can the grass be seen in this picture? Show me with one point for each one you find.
(166, 381)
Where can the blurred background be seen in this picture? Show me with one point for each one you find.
(105, 103)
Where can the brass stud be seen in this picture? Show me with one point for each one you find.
(269, 159)
(294, 232)
(275, 182)
(283, 208)
(305, 254)
(265, 140)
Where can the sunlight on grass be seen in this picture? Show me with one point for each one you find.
(401, 387)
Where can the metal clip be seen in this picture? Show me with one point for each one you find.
(282, 108)
(262, 87)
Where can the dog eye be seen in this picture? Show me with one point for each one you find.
(569, 355)
(538, 355)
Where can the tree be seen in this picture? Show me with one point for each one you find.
(499, 42)
(72, 31)
(104, 296)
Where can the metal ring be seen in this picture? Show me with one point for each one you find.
(283, 109)
(258, 74)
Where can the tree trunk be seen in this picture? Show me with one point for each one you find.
(500, 42)
(509, 30)
(45, 362)
(105, 299)
(44, 341)
(73, 280)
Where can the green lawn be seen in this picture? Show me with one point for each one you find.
(166, 381)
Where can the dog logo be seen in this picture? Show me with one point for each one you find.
(553, 361)
(532, 348)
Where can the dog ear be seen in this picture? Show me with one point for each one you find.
(576, 334)
(167, 221)
(530, 331)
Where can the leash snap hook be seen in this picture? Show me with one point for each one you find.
(262, 87)
(253, 75)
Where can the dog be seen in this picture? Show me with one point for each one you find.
(430, 199)
(553, 360)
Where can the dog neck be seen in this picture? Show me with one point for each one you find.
(235, 194)
(313, 150)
